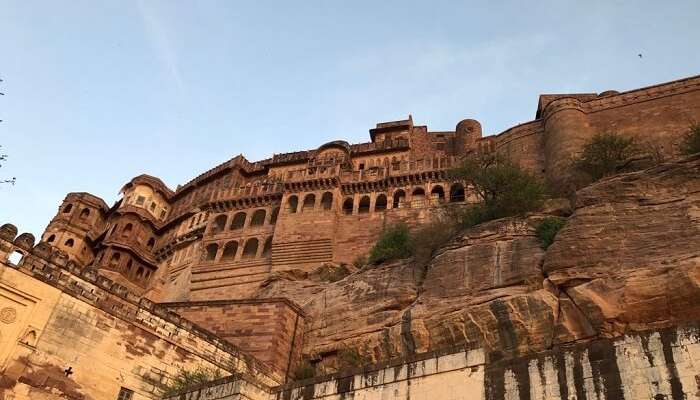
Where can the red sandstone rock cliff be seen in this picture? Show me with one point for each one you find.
(628, 259)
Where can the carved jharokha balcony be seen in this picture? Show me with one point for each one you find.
(251, 192)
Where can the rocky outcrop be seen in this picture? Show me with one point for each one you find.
(630, 255)
(628, 259)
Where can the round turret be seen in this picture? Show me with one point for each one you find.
(467, 132)
(8, 232)
(25, 241)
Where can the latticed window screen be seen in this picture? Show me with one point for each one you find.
(125, 394)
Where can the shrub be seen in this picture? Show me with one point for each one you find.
(350, 357)
(474, 215)
(332, 273)
(303, 371)
(426, 239)
(504, 188)
(547, 229)
(691, 141)
(360, 261)
(606, 154)
(393, 243)
(185, 379)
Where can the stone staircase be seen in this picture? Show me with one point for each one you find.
(293, 254)
(237, 279)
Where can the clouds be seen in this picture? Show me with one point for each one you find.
(172, 87)
(158, 36)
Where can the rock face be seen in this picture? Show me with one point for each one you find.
(628, 259)
(630, 255)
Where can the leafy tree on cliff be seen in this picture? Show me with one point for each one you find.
(691, 141)
(504, 188)
(606, 154)
(393, 243)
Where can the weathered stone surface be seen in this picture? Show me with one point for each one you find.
(363, 310)
(627, 260)
(630, 255)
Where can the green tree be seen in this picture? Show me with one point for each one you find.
(186, 378)
(504, 188)
(606, 154)
(691, 141)
(393, 243)
(547, 229)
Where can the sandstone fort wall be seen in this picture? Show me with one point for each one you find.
(271, 330)
(68, 333)
(648, 365)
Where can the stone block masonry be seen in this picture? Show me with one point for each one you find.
(224, 233)
(90, 293)
(661, 364)
(67, 333)
(271, 330)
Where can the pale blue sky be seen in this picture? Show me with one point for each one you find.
(100, 91)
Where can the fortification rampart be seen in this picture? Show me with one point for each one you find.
(59, 317)
(657, 116)
(647, 365)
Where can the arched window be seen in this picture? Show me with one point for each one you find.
(151, 243)
(251, 248)
(238, 220)
(439, 191)
(347, 205)
(364, 205)
(327, 201)
(267, 248)
(127, 229)
(456, 193)
(258, 218)
(292, 204)
(309, 202)
(69, 243)
(85, 213)
(114, 261)
(67, 208)
(211, 252)
(219, 224)
(51, 239)
(273, 215)
(418, 195)
(380, 203)
(129, 264)
(230, 250)
(399, 197)
(139, 273)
